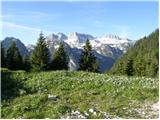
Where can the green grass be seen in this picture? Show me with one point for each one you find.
(25, 95)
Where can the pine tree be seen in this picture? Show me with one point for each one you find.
(121, 68)
(3, 57)
(40, 55)
(14, 59)
(154, 69)
(60, 59)
(88, 61)
(26, 63)
(95, 65)
(129, 68)
(139, 67)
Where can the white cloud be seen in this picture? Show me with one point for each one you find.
(20, 16)
(9, 25)
(33, 16)
(27, 34)
(16, 26)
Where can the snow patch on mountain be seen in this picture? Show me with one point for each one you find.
(78, 39)
(107, 48)
(56, 37)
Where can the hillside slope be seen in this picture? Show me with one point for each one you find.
(6, 43)
(66, 94)
(142, 58)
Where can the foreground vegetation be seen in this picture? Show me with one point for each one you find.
(66, 94)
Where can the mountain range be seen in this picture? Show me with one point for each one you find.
(107, 48)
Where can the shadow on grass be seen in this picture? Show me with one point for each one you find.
(9, 85)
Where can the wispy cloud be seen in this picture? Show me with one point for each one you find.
(9, 25)
(30, 16)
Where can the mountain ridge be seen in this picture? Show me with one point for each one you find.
(107, 49)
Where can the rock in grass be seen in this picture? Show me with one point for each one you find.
(74, 115)
(53, 97)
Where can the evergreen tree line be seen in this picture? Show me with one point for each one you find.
(40, 58)
(141, 59)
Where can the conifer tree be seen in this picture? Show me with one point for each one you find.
(60, 59)
(139, 67)
(88, 61)
(40, 55)
(3, 57)
(95, 65)
(129, 68)
(14, 59)
(26, 63)
(120, 70)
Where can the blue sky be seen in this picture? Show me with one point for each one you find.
(25, 20)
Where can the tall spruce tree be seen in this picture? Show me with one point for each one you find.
(121, 68)
(139, 67)
(14, 59)
(40, 55)
(129, 68)
(3, 57)
(26, 63)
(95, 65)
(60, 59)
(88, 61)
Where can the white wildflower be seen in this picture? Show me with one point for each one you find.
(91, 110)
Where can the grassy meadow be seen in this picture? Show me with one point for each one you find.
(68, 94)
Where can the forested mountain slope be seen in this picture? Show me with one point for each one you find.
(141, 59)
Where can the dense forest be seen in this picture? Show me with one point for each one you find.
(141, 59)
